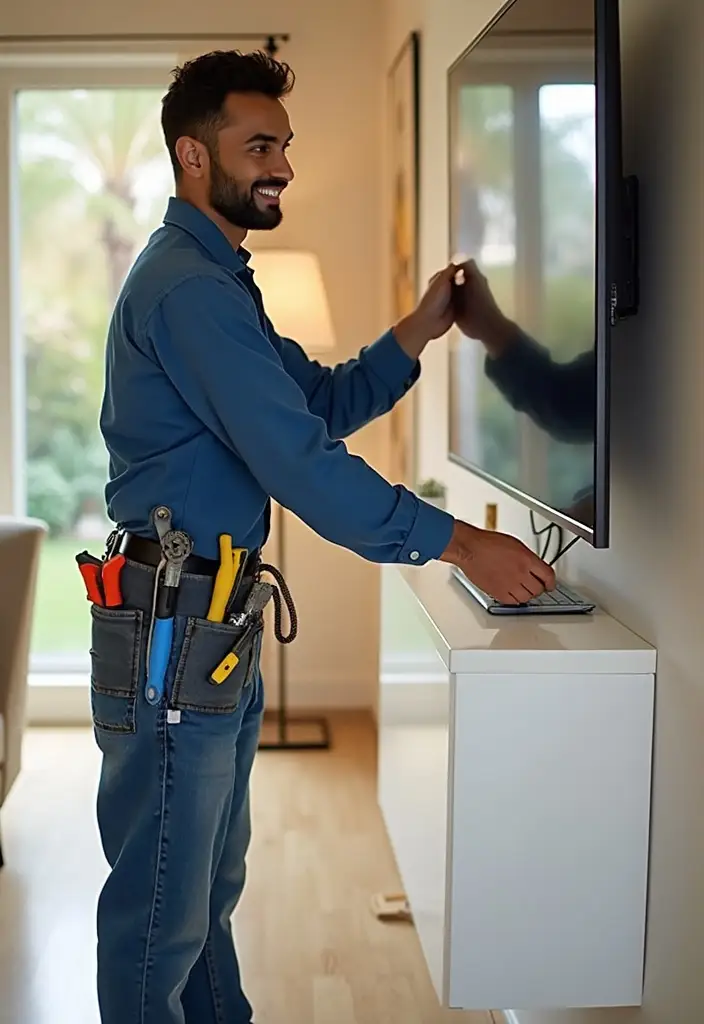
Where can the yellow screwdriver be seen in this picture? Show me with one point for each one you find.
(231, 563)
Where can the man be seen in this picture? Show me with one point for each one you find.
(560, 398)
(208, 413)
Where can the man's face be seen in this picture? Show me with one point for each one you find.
(249, 168)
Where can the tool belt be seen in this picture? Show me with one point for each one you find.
(171, 556)
(148, 552)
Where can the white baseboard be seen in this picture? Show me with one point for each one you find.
(323, 695)
(53, 703)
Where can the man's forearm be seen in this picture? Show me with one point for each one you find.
(497, 336)
(558, 397)
(411, 337)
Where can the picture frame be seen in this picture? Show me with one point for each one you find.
(404, 192)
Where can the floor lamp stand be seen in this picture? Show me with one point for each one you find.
(280, 731)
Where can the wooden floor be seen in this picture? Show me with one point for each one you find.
(311, 951)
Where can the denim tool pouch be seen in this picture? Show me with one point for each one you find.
(205, 645)
(117, 652)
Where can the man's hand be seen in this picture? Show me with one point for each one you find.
(499, 565)
(431, 318)
(476, 312)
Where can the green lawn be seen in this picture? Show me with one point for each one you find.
(62, 612)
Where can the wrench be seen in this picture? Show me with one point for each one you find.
(176, 546)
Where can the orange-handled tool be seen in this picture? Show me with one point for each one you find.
(89, 568)
(111, 581)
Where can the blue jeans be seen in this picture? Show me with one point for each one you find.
(173, 811)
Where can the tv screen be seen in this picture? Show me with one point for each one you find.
(533, 171)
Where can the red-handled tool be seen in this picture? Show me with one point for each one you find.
(89, 568)
(111, 581)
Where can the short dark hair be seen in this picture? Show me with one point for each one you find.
(194, 102)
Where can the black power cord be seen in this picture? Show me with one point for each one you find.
(550, 532)
(563, 550)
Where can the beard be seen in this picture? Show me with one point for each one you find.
(238, 205)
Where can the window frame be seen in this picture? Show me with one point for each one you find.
(21, 71)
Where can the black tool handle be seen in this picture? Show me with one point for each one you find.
(166, 602)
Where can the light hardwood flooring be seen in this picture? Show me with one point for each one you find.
(311, 951)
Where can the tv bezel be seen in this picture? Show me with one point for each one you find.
(612, 279)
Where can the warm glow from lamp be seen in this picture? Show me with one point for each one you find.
(292, 285)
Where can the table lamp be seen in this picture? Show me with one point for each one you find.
(294, 295)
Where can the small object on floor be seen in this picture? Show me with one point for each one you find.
(391, 907)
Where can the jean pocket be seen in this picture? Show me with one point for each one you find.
(115, 654)
(205, 645)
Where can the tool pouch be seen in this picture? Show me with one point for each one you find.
(205, 645)
(117, 654)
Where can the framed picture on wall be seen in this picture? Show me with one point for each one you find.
(404, 132)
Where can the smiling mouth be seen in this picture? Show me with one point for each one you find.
(271, 194)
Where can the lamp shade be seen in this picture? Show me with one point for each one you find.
(292, 285)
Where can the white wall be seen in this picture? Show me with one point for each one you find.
(651, 578)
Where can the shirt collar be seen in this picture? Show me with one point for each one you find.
(184, 215)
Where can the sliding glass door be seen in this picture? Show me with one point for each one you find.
(89, 180)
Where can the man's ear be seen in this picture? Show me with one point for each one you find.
(192, 156)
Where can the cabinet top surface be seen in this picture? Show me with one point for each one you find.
(469, 639)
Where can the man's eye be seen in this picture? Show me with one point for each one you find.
(260, 149)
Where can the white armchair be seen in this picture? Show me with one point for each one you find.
(20, 544)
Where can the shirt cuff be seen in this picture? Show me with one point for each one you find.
(429, 536)
(389, 362)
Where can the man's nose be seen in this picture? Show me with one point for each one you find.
(282, 169)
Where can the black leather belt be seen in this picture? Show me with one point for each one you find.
(148, 552)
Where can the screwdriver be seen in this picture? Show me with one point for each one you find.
(232, 562)
(256, 602)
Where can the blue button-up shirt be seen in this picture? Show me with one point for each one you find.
(207, 410)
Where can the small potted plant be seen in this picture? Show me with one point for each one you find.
(432, 491)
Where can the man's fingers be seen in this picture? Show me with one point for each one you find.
(545, 573)
(447, 272)
(521, 593)
(472, 273)
(533, 586)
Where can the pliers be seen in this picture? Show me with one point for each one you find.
(102, 579)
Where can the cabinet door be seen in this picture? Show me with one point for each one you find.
(550, 839)
(414, 717)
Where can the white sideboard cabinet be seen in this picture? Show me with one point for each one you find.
(514, 781)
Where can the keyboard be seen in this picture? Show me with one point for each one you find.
(563, 600)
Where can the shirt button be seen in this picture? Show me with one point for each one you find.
(414, 556)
